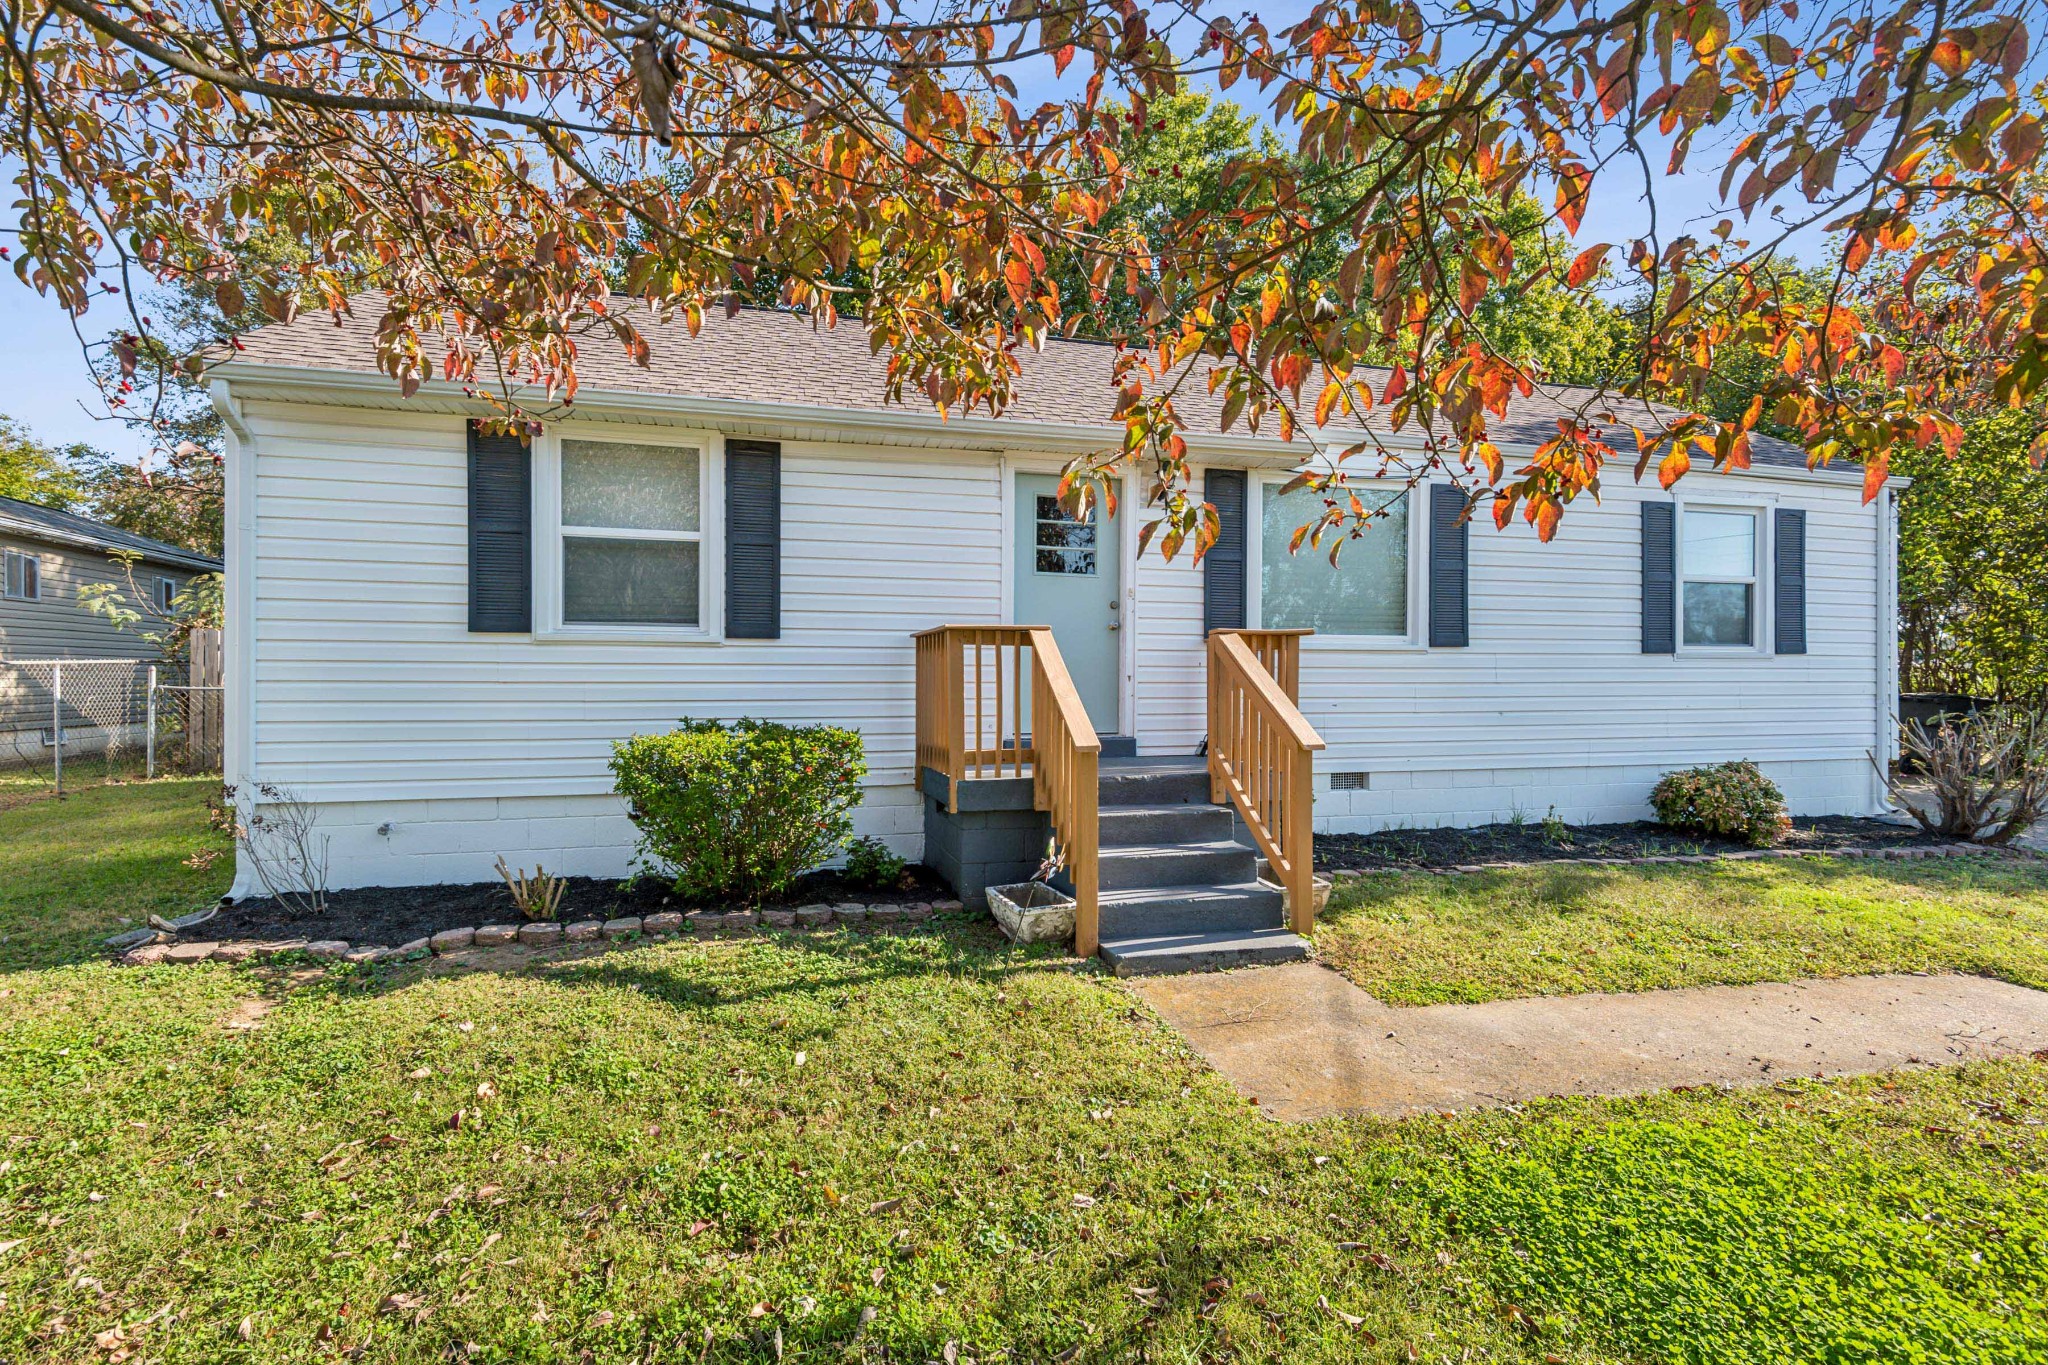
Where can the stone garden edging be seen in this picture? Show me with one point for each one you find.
(534, 933)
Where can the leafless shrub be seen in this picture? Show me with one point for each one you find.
(537, 897)
(278, 838)
(1988, 771)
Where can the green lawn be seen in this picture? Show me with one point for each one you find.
(913, 1147)
(76, 868)
(1421, 939)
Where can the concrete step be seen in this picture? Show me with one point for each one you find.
(1171, 823)
(1202, 952)
(1152, 910)
(1216, 863)
(1153, 782)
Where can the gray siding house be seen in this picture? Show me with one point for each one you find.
(46, 556)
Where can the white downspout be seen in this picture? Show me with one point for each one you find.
(1885, 741)
(238, 644)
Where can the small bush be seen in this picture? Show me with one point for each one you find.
(869, 863)
(740, 809)
(1987, 774)
(1732, 800)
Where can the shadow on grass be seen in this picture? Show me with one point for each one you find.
(850, 959)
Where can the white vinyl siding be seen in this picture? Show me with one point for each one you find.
(369, 688)
(371, 698)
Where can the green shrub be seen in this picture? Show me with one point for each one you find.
(739, 809)
(1733, 800)
(869, 863)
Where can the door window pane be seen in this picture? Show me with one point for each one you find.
(1061, 544)
(1717, 613)
(1720, 544)
(1366, 593)
(629, 487)
(629, 582)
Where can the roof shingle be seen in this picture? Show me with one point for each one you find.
(765, 356)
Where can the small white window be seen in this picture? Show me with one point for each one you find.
(166, 594)
(1366, 594)
(1717, 566)
(632, 532)
(24, 576)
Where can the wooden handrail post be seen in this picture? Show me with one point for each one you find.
(1083, 862)
(954, 712)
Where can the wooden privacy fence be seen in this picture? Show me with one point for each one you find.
(1262, 753)
(997, 701)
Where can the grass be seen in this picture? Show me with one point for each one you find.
(1422, 939)
(76, 868)
(913, 1147)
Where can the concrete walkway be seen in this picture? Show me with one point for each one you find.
(1307, 1044)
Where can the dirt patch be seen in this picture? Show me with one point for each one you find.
(1535, 841)
(400, 914)
(246, 1016)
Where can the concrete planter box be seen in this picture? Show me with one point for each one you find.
(1320, 892)
(1032, 912)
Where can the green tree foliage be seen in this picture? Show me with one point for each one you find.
(1973, 565)
(35, 471)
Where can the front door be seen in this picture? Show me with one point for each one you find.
(1069, 577)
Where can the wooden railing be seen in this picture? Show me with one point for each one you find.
(972, 723)
(1262, 754)
(1279, 653)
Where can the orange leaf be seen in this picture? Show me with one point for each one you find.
(1397, 384)
(1874, 470)
(1586, 264)
(1674, 466)
(1574, 189)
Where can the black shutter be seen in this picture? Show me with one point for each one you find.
(1449, 550)
(1223, 584)
(753, 540)
(500, 532)
(1788, 553)
(1660, 579)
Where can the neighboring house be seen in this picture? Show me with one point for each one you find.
(49, 555)
(435, 636)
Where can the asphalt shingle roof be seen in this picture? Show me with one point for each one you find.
(35, 522)
(764, 356)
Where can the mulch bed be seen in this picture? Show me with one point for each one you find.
(1531, 842)
(400, 914)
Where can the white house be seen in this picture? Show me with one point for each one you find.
(436, 637)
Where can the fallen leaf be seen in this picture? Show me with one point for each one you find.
(799, 1059)
(247, 1331)
(885, 1206)
(6, 1247)
(486, 1091)
(402, 1303)
(419, 1075)
(1084, 1201)
(877, 1275)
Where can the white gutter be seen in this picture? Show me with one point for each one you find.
(993, 433)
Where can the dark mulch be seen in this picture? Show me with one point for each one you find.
(400, 914)
(1532, 842)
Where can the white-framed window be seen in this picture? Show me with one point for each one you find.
(1369, 596)
(628, 528)
(166, 593)
(1720, 576)
(24, 576)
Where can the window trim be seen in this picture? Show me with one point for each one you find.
(1760, 601)
(1263, 484)
(548, 622)
(166, 592)
(34, 561)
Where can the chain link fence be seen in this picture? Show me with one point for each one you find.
(67, 723)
